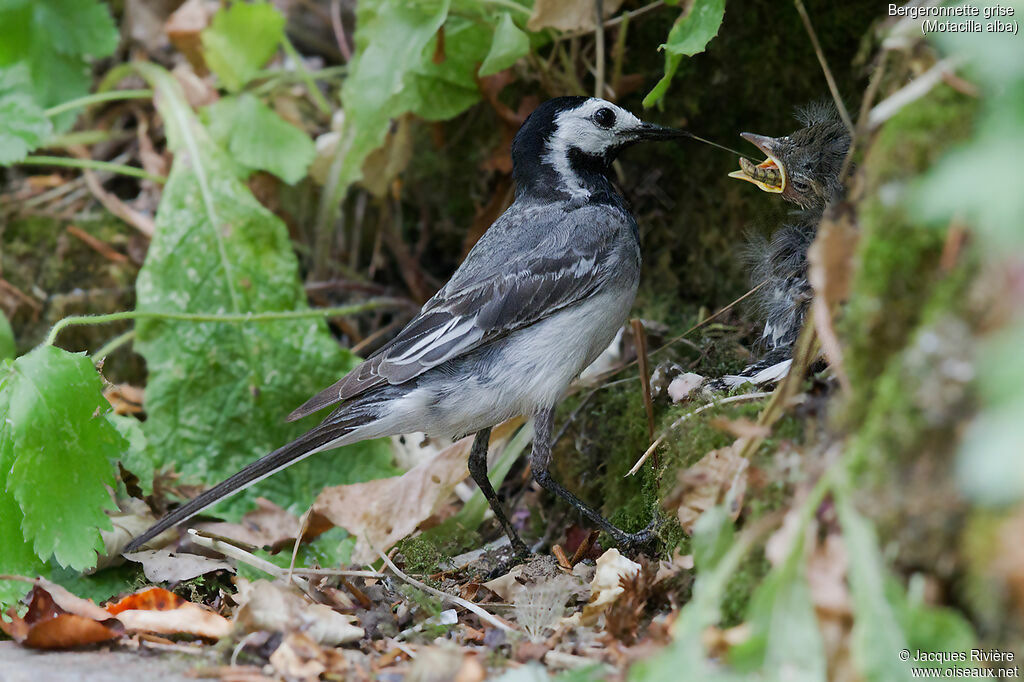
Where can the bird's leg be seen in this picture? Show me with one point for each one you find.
(478, 470)
(540, 460)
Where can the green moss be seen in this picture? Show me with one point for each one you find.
(425, 552)
(898, 259)
(741, 586)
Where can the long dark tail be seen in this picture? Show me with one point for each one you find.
(303, 446)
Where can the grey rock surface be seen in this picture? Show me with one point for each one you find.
(18, 664)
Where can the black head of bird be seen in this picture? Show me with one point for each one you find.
(803, 166)
(566, 147)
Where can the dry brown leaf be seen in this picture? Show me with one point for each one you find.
(299, 658)
(264, 605)
(718, 474)
(165, 566)
(57, 619)
(607, 586)
(830, 271)
(826, 577)
(385, 163)
(266, 526)
(157, 610)
(124, 398)
(184, 27)
(382, 512)
(568, 15)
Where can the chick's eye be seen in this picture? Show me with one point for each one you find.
(801, 186)
(604, 117)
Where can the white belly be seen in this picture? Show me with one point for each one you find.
(531, 370)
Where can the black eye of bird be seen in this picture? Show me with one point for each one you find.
(801, 186)
(604, 117)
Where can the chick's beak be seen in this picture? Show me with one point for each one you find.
(770, 174)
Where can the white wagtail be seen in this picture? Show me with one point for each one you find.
(803, 168)
(537, 299)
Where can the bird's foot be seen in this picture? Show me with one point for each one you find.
(639, 541)
(509, 558)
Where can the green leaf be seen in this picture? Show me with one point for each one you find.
(8, 349)
(137, 457)
(79, 27)
(56, 447)
(391, 38)
(713, 535)
(16, 557)
(875, 626)
(436, 91)
(508, 45)
(689, 36)
(55, 39)
(784, 629)
(218, 393)
(23, 125)
(240, 40)
(259, 139)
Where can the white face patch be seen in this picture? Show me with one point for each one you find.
(578, 128)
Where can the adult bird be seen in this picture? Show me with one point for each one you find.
(537, 299)
(803, 168)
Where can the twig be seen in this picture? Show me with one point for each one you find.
(272, 316)
(444, 595)
(139, 221)
(599, 48)
(614, 21)
(689, 331)
(702, 408)
(97, 245)
(337, 572)
(239, 554)
(339, 31)
(640, 340)
(833, 88)
(915, 89)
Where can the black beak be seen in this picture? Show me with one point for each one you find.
(650, 131)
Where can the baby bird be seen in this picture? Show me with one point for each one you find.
(803, 167)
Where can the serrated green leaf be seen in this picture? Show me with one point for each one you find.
(509, 44)
(689, 36)
(55, 39)
(16, 555)
(23, 125)
(259, 139)
(218, 393)
(240, 40)
(875, 626)
(8, 348)
(81, 27)
(58, 446)
(137, 456)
